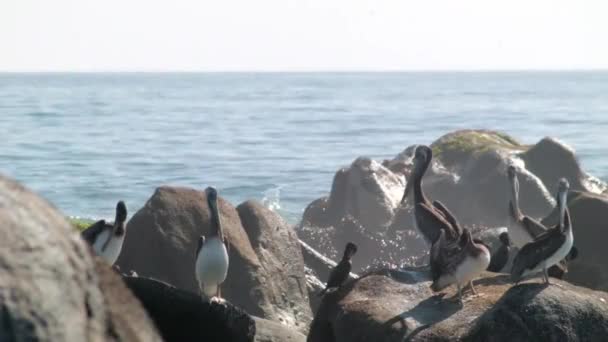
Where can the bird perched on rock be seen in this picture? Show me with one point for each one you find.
(212, 262)
(501, 256)
(107, 239)
(340, 272)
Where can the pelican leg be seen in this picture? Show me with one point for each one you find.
(546, 275)
(460, 295)
(219, 291)
(472, 287)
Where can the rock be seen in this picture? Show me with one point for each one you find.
(284, 296)
(269, 331)
(550, 160)
(377, 307)
(589, 214)
(535, 312)
(184, 316)
(314, 286)
(367, 191)
(52, 287)
(162, 239)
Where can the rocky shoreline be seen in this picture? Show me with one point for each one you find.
(52, 287)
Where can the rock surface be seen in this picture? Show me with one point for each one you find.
(589, 215)
(282, 276)
(52, 288)
(269, 331)
(398, 306)
(184, 316)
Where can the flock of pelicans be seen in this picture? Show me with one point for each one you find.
(456, 258)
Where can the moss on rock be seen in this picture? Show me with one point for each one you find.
(454, 146)
(80, 224)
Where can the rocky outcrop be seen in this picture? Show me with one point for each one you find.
(398, 306)
(184, 316)
(282, 276)
(52, 288)
(269, 331)
(367, 191)
(266, 274)
(589, 215)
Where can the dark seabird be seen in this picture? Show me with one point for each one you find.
(549, 248)
(340, 272)
(107, 239)
(501, 256)
(458, 262)
(429, 218)
(211, 266)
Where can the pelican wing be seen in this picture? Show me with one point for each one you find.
(533, 227)
(431, 221)
(448, 216)
(93, 231)
(536, 251)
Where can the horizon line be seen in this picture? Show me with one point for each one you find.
(311, 71)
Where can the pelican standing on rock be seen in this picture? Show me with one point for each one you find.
(211, 266)
(340, 272)
(457, 263)
(107, 239)
(429, 218)
(549, 248)
(523, 229)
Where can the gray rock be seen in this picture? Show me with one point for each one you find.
(283, 282)
(52, 288)
(184, 316)
(269, 331)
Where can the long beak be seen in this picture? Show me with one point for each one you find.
(562, 200)
(408, 187)
(215, 218)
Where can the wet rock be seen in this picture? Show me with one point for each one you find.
(52, 287)
(184, 316)
(398, 306)
(589, 214)
(269, 331)
(282, 276)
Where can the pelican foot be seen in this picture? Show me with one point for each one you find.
(217, 300)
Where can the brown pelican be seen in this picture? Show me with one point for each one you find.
(458, 262)
(107, 239)
(523, 229)
(549, 248)
(429, 218)
(212, 262)
(340, 272)
(501, 256)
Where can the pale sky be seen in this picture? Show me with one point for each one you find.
(302, 35)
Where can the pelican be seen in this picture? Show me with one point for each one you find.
(459, 262)
(429, 218)
(211, 266)
(501, 256)
(549, 248)
(107, 239)
(340, 272)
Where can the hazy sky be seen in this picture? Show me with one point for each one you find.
(138, 35)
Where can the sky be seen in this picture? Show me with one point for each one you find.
(302, 35)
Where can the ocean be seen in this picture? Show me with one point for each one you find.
(86, 140)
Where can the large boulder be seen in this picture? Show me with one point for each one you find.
(184, 316)
(367, 191)
(398, 306)
(52, 288)
(162, 238)
(589, 215)
(282, 276)
(551, 159)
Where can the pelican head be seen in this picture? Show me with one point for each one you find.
(350, 250)
(215, 215)
(422, 158)
(121, 218)
(504, 238)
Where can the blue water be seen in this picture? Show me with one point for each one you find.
(86, 140)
